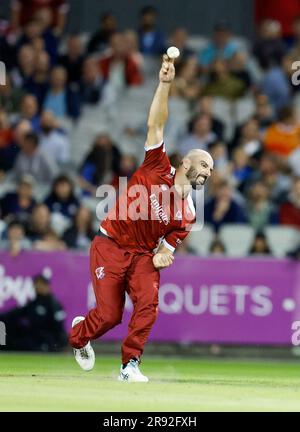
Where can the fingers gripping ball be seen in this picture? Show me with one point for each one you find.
(173, 52)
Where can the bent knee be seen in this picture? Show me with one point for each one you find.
(112, 321)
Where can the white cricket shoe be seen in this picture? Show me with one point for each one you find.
(85, 356)
(132, 373)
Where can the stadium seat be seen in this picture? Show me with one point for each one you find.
(282, 239)
(200, 241)
(237, 239)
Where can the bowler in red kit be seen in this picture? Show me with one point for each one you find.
(138, 238)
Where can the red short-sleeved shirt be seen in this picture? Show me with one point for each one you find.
(147, 212)
(30, 7)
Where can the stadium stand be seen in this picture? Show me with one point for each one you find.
(114, 101)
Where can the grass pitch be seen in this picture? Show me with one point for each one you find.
(55, 383)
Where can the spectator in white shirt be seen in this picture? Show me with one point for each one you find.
(33, 160)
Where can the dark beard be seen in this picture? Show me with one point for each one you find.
(192, 177)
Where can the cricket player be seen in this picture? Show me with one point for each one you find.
(129, 252)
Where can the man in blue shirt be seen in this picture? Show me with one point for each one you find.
(222, 46)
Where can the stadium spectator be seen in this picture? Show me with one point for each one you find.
(10, 97)
(248, 137)
(19, 204)
(39, 223)
(218, 151)
(31, 32)
(33, 160)
(92, 84)
(62, 198)
(238, 68)
(128, 165)
(53, 140)
(283, 137)
(38, 84)
(186, 84)
(118, 67)
(263, 111)
(260, 245)
(289, 212)
(152, 41)
(62, 99)
(15, 241)
(222, 83)
(24, 68)
(23, 10)
(179, 38)
(39, 325)
(73, 60)
(221, 47)
(100, 165)
(132, 47)
(49, 241)
(205, 106)
(50, 37)
(19, 132)
(270, 174)
(241, 169)
(277, 86)
(80, 234)
(269, 48)
(201, 135)
(223, 208)
(30, 111)
(260, 210)
(9, 153)
(175, 159)
(100, 39)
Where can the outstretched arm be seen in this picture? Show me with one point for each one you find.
(158, 114)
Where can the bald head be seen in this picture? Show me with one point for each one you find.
(197, 167)
(195, 155)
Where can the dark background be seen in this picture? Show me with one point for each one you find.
(198, 16)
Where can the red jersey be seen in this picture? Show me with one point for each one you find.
(147, 213)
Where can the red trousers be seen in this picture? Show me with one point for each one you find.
(116, 271)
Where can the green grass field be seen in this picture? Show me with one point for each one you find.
(55, 383)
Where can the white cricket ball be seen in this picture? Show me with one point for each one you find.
(173, 52)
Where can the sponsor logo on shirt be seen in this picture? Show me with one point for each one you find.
(100, 272)
(158, 210)
(178, 215)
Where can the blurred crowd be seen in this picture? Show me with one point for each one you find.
(52, 76)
